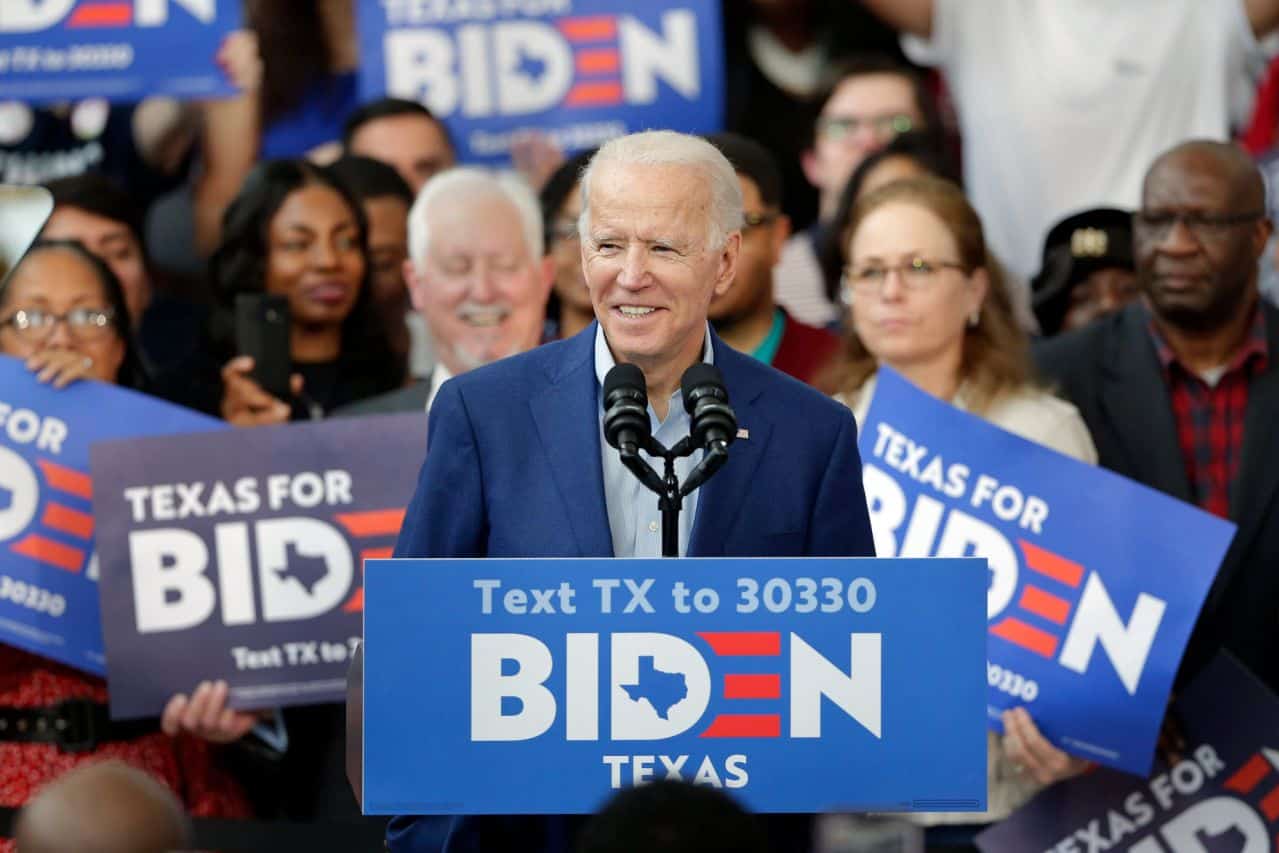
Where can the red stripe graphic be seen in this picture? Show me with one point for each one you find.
(1270, 805)
(66, 479)
(733, 643)
(355, 604)
(745, 725)
(1026, 636)
(1047, 563)
(1249, 776)
(47, 551)
(594, 94)
(1037, 601)
(377, 522)
(375, 554)
(596, 28)
(597, 62)
(102, 15)
(752, 687)
(67, 520)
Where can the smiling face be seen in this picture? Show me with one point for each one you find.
(482, 292)
(901, 324)
(314, 256)
(649, 268)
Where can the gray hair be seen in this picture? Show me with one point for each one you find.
(467, 182)
(668, 148)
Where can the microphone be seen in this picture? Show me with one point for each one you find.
(626, 424)
(713, 424)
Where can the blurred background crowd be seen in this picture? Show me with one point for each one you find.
(1051, 214)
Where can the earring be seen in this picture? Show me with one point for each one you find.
(974, 318)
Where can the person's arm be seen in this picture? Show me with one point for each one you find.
(229, 139)
(1263, 16)
(916, 16)
(1030, 751)
(446, 517)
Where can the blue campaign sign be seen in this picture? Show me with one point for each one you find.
(797, 684)
(1220, 796)
(122, 50)
(48, 573)
(1095, 581)
(582, 71)
(237, 555)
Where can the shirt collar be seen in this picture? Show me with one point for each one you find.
(439, 375)
(604, 361)
(1254, 344)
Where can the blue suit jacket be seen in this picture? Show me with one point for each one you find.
(513, 470)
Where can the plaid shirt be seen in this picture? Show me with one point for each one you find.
(1210, 418)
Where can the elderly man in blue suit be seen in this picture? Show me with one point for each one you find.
(517, 465)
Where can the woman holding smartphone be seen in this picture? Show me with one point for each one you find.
(295, 232)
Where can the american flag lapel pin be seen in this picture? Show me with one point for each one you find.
(743, 433)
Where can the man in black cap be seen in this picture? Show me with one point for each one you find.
(1087, 270)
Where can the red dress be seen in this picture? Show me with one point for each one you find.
(183, 763)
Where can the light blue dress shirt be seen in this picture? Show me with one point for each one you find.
(633, 516)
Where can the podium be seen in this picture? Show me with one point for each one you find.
(798, 685)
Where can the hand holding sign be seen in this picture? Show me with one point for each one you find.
(205, 714)
(1031, 752)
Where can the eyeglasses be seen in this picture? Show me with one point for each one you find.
(1157, 224)
(757, 220)
(84, 324)
(842, 127)
(916, 274)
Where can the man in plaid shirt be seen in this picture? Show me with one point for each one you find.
(1181, 391)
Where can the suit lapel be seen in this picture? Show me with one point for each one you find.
(720, 499)
(1259, 463)
(568, 427)
(1139, 408)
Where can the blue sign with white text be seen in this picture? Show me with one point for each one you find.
(238, 556)
(798, 685)
(1095, 581)
(582, 71)
(121, 50)
(48, 568)
(1220, 794)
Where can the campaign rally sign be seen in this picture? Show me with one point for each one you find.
(797, 684)
(582, 71)
(1095, 581)
(1221, 795)
(48, 574)
(237, 556)
(122, 50)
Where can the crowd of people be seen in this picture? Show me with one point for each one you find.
(1035, 212)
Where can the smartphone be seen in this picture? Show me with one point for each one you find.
(262, 331)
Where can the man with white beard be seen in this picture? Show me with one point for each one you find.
(477, 275)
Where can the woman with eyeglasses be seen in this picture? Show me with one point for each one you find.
(63, 312)
(924, 299)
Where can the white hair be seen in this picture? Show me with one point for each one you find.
(668, 148)
(462, 184)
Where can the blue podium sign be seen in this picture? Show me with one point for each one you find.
(797, 684)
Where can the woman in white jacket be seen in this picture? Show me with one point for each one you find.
(925, 299)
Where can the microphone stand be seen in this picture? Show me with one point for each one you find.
(670, 492)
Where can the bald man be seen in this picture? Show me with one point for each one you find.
(1182, 393)
(105, 807)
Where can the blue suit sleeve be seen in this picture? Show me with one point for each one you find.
(446, 516)
(841, 524)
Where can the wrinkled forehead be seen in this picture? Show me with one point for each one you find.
(670, 195)
(467, 221)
